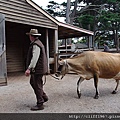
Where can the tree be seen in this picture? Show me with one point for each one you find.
(110, 21)
(103, 19)
(67, 10)
(100, 16)
(56, 9)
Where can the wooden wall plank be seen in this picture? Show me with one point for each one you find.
(22, 12)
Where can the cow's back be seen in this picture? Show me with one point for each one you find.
(107, 65)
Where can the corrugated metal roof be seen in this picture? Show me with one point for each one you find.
(70, 31)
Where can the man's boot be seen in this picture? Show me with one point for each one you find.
(37, 107)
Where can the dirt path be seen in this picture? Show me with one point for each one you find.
(18, 96)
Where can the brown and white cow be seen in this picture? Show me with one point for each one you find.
(92, 64)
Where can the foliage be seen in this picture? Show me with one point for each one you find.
(82, 41)
(106, 20)
(100, 16)
(56, 9)
(86, 20)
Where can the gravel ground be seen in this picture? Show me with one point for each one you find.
(18, 96)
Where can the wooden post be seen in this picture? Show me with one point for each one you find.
(3, 64)
(117, 40)
(56, 51)
(47, 48)
(66, 46)
(93, 38)
(88, 42)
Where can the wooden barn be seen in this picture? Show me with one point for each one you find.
(16, 18)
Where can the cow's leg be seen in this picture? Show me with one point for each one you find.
(115, 91)
(96, 86)
(78, 86)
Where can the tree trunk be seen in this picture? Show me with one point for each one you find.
(68, 11)
(72, 16)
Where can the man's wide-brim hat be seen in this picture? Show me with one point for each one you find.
(33, 32)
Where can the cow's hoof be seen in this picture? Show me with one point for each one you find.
(114, 92)
(79, 95)
(96, 96)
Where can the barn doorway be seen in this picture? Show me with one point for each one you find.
(17, 44)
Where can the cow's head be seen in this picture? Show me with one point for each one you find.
(62, 68)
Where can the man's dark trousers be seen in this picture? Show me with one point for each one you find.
(37, 85)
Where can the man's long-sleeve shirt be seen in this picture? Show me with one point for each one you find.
(36, 54)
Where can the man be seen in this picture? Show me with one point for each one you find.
(106, 48)
(36, 67)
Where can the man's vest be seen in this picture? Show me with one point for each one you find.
(41, 66)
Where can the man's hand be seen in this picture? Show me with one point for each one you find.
(27, 72)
